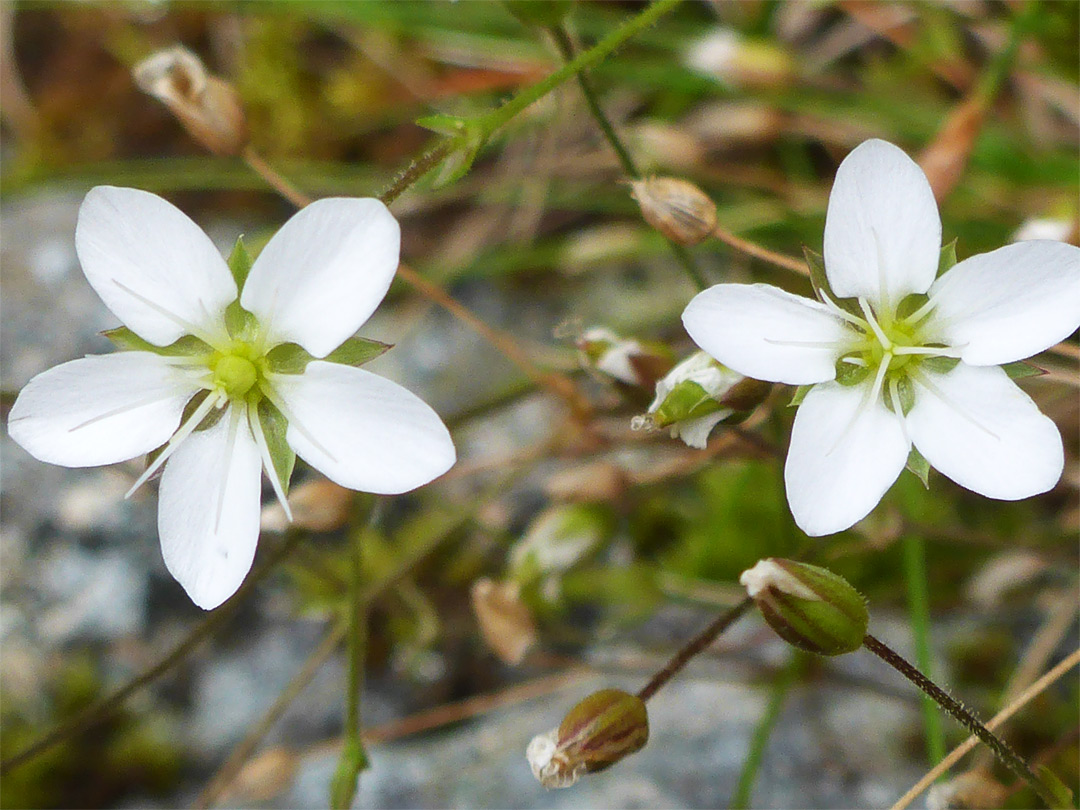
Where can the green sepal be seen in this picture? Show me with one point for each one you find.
(910, 304)
(290, 358)
(940, 365)
(274, 426)
(820, 282)
(919, 466)
(948, 257)
(357, 351)
(239, 263)
(799, 396)
(467, 137)
(849, 374)
(687, 400)
(186, 346)
(1021, 369)
(241, 324)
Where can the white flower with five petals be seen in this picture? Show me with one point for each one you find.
(232, 372)
(897, 356)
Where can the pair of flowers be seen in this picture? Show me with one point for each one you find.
(238, 367)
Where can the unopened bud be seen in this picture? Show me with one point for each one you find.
(698, 394)
(630, 361)
(809, 607)
(558, 538)
(678, 209)
(599, 731)
(208, 107)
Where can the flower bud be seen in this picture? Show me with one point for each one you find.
(208, 107)
(809, 607)
(678, 209)
(558, 538)
(630, 361)
(699, 393)
(599, 731)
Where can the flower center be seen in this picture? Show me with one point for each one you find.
(235, 375)
(888, 350)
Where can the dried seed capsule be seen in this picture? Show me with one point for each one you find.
(599, 731)
(678, 209)
(634, 362)
(809, 607)
(208, 107)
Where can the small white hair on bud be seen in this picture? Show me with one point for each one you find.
(768, 574)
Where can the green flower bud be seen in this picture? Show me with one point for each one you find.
(599, 731)
(809, 607)
(699, 393)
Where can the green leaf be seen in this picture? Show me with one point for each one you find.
(239, 263)
(920, 466)
(356, 351)
(274, 425)
(1021, 369)
(800, 395)
(242, 325)
(467, 138)
(1063, 797)
(948, 257)
(187, 346)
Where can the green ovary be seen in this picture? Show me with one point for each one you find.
(235, 375)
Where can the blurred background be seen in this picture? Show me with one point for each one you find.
(565, 552)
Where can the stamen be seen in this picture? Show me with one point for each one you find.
(268, 462)
(931, 351)
(855, 361)
(843, 314)
(803, 344)
(879, 378)
(190, 328)
(873, 324)
(883, 277)
(279, 403)
(924, 381)
(894, 389)
(182, 433)
(920, 313)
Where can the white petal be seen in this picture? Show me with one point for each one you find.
(979, 429)
(1010, 303)
(766, 333)
(363, 431)
(99, 410)
(322, 275)
(882, 229)
(208, 511)
(843, 457)
(152, 266)
(695, 432)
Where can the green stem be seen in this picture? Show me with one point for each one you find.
(1002, 63)
(780, 689)
(496, 118)
(415, 170)
(99, 711)
(353, 760)
(1001, 749)
(566, 48)
(919, 615)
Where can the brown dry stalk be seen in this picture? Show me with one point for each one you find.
(758, 252)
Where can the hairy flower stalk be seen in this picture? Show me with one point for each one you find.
(232, 368)
(897, 356)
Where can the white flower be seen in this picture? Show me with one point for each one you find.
(232, 381)
(917, 366)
